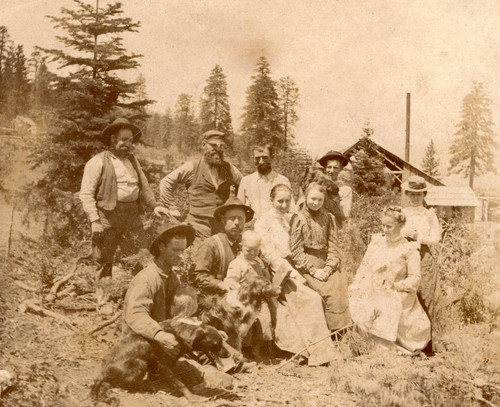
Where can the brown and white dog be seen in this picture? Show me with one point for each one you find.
(236, 311)
(134, 357)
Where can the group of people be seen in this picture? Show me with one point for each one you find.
(243, 226)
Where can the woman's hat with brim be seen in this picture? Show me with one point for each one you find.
(170, 229)
(333, 155)
(414, 184)
(118, 124)
(232, 203)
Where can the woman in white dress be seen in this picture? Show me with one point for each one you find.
(422, 226)
(383, 296)
(300, 319)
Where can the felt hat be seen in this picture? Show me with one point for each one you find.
(213, 134)
(231, 203)
(414, 184)
(118, 124)
(333, 155)
(172, 228)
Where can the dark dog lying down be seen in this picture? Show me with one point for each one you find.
(135, 356)
(235, 312)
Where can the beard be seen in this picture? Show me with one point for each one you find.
(264, 168)
(214, 158)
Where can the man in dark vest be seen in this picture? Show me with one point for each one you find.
(208, 180)
(113, 193)
(213, 256)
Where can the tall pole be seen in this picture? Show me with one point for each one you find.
(407, 145)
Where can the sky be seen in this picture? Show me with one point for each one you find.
(352, 60)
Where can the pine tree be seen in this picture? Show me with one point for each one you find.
(430, 162)
(288, 97)
(368, 172)
(41, 92)
(167, 123)
(91, 95)
(4, 47)
(19, 89)
(472, 148)
(214, 104)
(185, 126)
(261, 117)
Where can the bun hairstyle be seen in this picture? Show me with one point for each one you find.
(316, 186)
(277, 188)
(395, 212)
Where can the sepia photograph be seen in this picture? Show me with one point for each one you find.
(257, 203)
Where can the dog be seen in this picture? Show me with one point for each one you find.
(134, 357)
(237, 310)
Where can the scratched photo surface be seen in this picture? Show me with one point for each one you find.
(370, 278)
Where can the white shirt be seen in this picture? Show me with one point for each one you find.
(424, 222)
(255, 189)
(126, 178)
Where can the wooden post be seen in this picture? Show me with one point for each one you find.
(407, 145)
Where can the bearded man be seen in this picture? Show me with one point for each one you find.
(255, 189)
(208, 181)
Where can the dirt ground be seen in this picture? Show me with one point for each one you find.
(55, 366)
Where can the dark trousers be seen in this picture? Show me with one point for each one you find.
(123, 227)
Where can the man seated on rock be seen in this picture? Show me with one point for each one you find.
(213, 256)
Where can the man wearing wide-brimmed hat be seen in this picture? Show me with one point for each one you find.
(333, 162)
(208, 180)
(113, 193)
(214, 255)
(150, 296)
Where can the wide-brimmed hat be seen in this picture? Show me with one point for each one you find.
(213, 134)
(232, 203)
(169, 229)
(414, 184)
(120, 123)
(333, 155)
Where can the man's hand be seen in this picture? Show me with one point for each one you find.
(321, 274)
(411, 234)
(168, 344)
(222, 286)
(161, 210)
(400, 286)
(97, 229)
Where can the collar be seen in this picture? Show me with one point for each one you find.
(269, 177)
(161, 271)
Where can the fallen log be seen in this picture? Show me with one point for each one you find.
(105, 323)
(30, 305)
(52, 295)
(26, 287)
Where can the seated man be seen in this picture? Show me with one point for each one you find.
(214, 255)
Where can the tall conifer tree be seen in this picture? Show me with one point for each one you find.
(472, 150)
(215, 112)
(430, 162)
(261, 117)
(288, 98)
(92, 94)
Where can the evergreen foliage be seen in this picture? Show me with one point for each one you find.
(14, 82)
(261, 117)
(368, 172)
(214, 104)
(186, 129)
(430, 162)
(91, 95)
(472, 149)
(288, 98)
